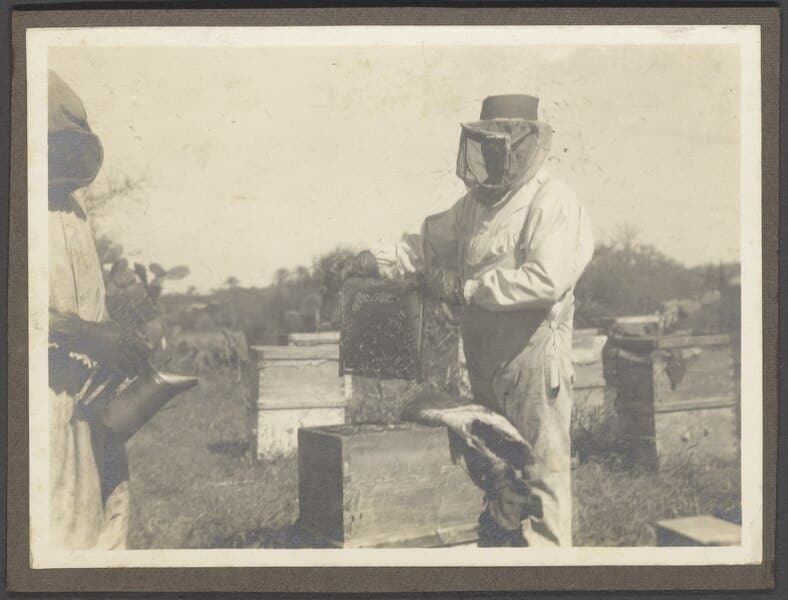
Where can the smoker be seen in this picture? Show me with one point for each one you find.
(124, 407)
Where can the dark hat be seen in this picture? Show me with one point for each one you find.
(510, 106)
(75, 152)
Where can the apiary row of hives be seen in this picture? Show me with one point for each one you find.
(678, 399)
(398, 484)
(299, 386)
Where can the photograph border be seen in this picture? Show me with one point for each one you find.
(379, 579)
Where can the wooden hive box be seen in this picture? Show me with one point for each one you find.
(677, 399)
(589, 387)
(384, 486)
(296, 386)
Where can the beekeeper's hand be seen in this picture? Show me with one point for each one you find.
(364, 264)
(442, 284)
(116, 349)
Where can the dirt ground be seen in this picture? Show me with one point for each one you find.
(195, 485)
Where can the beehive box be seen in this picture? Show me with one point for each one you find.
(384, 486)
(295, 386)
(676, 398)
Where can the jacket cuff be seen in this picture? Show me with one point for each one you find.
(469, 289)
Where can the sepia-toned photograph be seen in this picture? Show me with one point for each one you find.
(345, 296)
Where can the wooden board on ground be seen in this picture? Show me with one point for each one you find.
(701, 530)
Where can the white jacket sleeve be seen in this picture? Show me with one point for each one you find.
(406, 256)
(558, 244)
(435, 246)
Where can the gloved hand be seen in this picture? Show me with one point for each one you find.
(364, 264)
(116, 349)
(442, 284)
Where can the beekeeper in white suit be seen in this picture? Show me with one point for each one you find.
(510, 251)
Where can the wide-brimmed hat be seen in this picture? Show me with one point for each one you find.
(510, 106)
(504, 148)
(75, 152)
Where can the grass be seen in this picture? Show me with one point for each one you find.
(616, 506)
(195, 484)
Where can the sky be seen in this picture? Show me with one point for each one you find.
(258, 158)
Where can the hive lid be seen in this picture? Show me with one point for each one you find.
(313, 339)
(669, 342)
(381, 329)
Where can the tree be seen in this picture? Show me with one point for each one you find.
(110, 194)
(325, 265)
(625, 237)
(627, 277)
(310, 309)
(231, 282)
(302, 275)
(293, 321)
(324, 270)
(281, 276)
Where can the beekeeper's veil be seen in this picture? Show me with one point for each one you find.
(504, 149)
(75, 152)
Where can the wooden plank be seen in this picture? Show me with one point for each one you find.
(288, 384)
(300, 403)
(701, 530)
(589, 375)
(582, 333)
(696, 435)
(271, 353)
(669, 342)
(727, 401)
(320, 485)
(710, 374)
(688, 341)
(314, 339)
(417, 538)
(277, 430)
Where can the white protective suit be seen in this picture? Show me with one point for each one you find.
(519, 261)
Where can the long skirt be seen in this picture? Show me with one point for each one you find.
(88, 481)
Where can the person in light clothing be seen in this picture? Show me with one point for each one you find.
(88, 479)
(510, 252)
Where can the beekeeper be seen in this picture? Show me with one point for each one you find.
(88, 485)
(510, 251)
